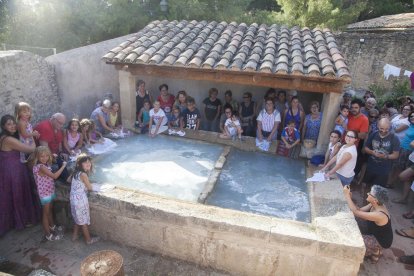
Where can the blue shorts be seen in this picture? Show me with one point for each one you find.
(47, 199)
(345, 180)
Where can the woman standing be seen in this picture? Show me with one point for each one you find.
(18, 206)
(141, 95)
(400, 122)
(247, 113)
(379, 233)
(312, 123)
(166, 100)
(267, 123)
(294, 113)
(345, 160)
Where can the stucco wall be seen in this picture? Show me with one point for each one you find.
(29, 78)
(83, 78)
(366, 60)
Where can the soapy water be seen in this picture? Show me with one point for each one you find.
(164, 166)
(263, 184)
(179, 168)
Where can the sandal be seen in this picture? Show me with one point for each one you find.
(409, 259)
(93, 240)
(409, 215)
(53, 237)
(55, 228)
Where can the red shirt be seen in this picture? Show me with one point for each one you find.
(168, 105)
(47, 134)
(359, 123)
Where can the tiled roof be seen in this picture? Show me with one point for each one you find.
(395, 21)
(236, 47)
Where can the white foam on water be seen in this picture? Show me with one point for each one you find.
(168, 167)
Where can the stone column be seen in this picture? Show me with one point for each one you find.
(330, 108)
(127, 98)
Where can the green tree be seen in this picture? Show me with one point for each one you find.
(319, 13)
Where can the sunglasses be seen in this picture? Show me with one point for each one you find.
(373, 117)
(349, 136)
(371, 195)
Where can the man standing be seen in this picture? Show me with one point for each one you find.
(51, 135)
(358, 122)
(382, 147)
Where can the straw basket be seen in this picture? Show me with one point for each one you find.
(105, 262)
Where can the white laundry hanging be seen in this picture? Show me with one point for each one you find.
(391, 70)
(407, 73)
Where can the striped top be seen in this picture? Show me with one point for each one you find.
(268, 120)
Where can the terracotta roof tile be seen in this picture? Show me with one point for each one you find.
(231, 46)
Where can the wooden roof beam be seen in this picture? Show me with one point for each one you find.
(301, 83)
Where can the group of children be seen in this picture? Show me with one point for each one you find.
(40, 162)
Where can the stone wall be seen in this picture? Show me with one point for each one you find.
(83, 78)
(366, 59)
(27, 77)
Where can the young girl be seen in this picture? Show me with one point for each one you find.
(334, 146)
(345, 160)
(44, 178)
(181, 100)
(73, 139)
(143, 117)
(341, 122)
(289, 146)
(232, 127)
(23, 114)
(79, 204)
(159, 119)
(89, 132)
(85, 126)
(113, 115)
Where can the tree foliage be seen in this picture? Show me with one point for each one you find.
(66, 24)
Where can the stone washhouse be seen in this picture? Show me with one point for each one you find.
(258, 55)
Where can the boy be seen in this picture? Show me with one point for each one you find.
(191, 116)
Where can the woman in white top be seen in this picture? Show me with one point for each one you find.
(345, 160)
(400, 122)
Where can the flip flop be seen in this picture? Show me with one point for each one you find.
(409, 215)
(402, 233)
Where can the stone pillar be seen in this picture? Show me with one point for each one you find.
(330, 108)
(127, 98)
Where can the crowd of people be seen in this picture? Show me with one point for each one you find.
(369, 146)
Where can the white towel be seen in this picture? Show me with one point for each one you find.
(407, 73)
(100, 148)
(264, 145)
(391, 70)
(317, 177)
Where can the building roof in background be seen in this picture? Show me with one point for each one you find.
(261, 49)
(403, 21)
